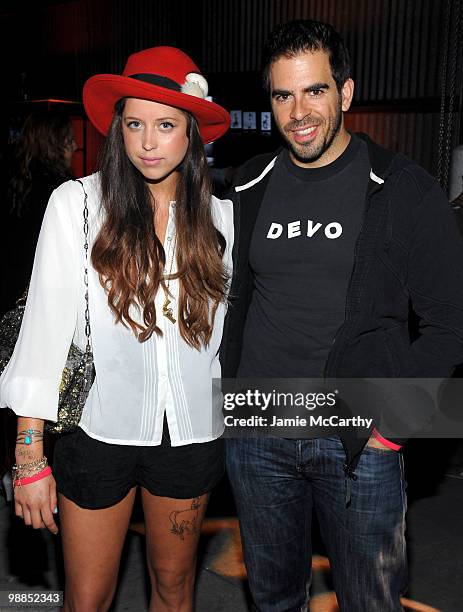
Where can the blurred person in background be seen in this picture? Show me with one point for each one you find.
(42, 161)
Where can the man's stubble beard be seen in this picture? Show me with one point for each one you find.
(314, 155)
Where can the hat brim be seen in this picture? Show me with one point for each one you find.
(102, 91)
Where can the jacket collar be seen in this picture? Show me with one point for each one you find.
(383, 163)
(253, 182)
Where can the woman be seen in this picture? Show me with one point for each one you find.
(161, 255)
(42, 162)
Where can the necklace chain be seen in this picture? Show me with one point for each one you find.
(167, 310)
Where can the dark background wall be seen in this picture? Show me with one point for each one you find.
(403, 52)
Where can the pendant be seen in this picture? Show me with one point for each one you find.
(167, 311)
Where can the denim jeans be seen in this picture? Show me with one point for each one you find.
(278, 482)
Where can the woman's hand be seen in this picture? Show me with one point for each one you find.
(36, 503)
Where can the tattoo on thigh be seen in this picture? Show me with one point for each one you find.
(186, 522)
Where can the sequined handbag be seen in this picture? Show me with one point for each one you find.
(79, 372)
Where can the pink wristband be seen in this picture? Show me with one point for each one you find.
(30, 479)
(388, 443)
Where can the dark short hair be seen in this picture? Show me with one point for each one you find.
(302, 35)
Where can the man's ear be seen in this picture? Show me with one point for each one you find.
(347, 93)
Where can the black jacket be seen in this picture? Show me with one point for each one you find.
(408, 258)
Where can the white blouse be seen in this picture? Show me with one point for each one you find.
(136, 382)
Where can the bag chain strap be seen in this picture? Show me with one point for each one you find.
(87, 310)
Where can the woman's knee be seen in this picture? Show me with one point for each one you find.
(87, 599)
(173, 583)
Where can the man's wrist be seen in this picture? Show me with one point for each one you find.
(384, 441)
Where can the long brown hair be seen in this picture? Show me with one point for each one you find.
(39, 153)
(130, 258)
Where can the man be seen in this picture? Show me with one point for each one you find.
(335, 238)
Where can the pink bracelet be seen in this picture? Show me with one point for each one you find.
(34, 478)
(392, 445)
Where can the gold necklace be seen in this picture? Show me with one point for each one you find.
(167, 311)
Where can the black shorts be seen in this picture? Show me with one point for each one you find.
(95, 474)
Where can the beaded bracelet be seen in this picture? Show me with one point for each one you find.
(28, 480)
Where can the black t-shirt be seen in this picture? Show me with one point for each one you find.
(301, 255)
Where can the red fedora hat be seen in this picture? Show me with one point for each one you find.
(161, 74)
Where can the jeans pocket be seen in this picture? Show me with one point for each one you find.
(376, 449)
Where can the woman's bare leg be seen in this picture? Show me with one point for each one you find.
(173, 527)
(92, 546)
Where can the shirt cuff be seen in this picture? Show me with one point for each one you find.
(388, 443)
